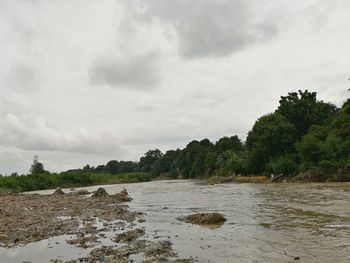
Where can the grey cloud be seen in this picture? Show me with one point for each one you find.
(22, 78)
(136, 72)
(211, 28)
(31, 133)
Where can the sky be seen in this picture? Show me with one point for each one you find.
(88, 81)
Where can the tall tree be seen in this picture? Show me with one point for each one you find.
(272, 135)
(302, 109)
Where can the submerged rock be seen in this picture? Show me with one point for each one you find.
(204, 219)
(101, 192)
(123, 196)
(58, 191)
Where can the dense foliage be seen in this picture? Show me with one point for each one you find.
(304, 135)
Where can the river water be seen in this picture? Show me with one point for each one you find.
(265, 222)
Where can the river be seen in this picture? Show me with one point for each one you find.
(265, 222)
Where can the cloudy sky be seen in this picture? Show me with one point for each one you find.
(87, 81)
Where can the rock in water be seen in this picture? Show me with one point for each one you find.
(101, 192)
(204, 219)
(123, 196)
(58, 191)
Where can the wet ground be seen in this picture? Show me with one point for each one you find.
(265, 223)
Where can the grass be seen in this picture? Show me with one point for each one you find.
(66, 179)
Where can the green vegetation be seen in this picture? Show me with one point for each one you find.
(42, 181)
(303, 136)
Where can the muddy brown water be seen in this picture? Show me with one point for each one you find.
(265, 222)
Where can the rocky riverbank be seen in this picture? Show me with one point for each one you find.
(88, 221)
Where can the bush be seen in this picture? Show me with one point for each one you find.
(283, 165)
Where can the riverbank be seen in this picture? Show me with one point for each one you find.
(299, 178)
(16, 184)
(99, 225)
(237, 179)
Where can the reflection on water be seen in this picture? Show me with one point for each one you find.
(265, 222)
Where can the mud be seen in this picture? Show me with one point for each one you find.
(123, 196)
(58, 191)
(130, 235)
(100, 193)
(204, 219)
(86, 221)
(81, 192)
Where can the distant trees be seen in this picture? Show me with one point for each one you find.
(37, 167)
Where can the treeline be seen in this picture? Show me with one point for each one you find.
(303, 136)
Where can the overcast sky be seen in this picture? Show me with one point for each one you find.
(87, 81)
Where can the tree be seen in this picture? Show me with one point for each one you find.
(302, 109)
(37, 167)
(112, 167)
(272, 135)
(231, 162)
(166, 162)
(327, 147)
(191, 162)
(232, 143)
(149, 159)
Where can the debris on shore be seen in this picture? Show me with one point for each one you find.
(59, 191)
(85, 223)
(123, 196)
(129, 235)
(204, 219)
(100, 193)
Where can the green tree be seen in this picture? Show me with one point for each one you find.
(232, 143)
(148, 161)
(272, 135)
(166, 163)
(191, 162)
(302, 109)
(283, 165)
(112, 167)
(37, 167)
